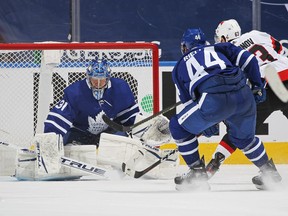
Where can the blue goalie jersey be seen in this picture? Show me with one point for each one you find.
(81, 110)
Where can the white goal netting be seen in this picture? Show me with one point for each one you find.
(33, 77)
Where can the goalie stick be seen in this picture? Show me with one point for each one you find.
(123, 128)
(138, 174)
(13, 146)
(69, 162)
(275, 83)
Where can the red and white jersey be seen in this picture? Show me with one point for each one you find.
(267, 51)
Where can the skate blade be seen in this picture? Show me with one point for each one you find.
(195, 186)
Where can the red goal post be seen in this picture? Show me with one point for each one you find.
(33, 77)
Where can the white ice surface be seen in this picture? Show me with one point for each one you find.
(232, 194)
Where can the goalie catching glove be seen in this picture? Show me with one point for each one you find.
(154, 132)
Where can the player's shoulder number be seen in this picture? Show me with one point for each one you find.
(61, 105)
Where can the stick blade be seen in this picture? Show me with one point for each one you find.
(139, 174)
(275, 83)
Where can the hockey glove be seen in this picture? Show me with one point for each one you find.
(259, 94)
(213, 130)
(158, 132)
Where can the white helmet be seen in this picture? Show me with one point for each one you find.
(229, 29)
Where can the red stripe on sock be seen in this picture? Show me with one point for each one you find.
(226, 146)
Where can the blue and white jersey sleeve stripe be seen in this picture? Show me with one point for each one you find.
(127, 116)
(58, 120)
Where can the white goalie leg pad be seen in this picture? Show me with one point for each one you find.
(83, 153)
(113, 149)
(26, 165)
(167, 169)
(147, 156)
(43, 163)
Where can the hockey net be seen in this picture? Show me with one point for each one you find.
(33, 77)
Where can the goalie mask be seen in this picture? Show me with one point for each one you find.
(229, 29)
(192, 38)
(98, 75)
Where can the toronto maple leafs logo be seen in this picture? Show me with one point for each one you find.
(97, 125)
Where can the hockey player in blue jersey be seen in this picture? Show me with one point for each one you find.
(211, 82)
(78, 116)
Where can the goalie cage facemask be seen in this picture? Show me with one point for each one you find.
(98, 75)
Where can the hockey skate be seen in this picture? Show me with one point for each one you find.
(195, 179)
(213, 166)
(268, 177)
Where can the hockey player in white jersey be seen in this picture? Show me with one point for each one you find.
(268, 51)
(76, 123)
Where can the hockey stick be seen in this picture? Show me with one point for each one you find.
(69, 162)
(275, 83)
(13, 146)
(138, 174)
(123, 128)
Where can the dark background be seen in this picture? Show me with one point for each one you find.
(134, 20)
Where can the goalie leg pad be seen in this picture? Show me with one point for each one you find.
(168, 168)
(42, 161)
(26, 165)
(145, 157)
(84, 153)
(114, 149)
